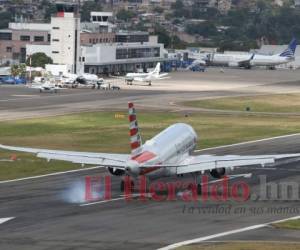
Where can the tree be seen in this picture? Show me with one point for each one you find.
(5, 18)
(158, 9)
(39, 60)
(205, 29)
(50, 9)
(125, 15)
(178, 5)
(19, 2)
(18, 70)
(163, 36)
(86, 9)
(170, 41)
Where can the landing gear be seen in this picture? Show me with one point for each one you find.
(199, 189)
(128, 82)
(122, 186)
(131, 186)
(149, 83)
(197, 181)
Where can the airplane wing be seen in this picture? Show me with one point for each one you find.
(196, 63)
(36, 86)
(246, 63)
(118, 77)
(202, 163)
(102, 159)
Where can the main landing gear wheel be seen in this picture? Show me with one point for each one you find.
(199, 188)
(197, 181)
(122, 186)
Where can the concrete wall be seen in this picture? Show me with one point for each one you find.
(63, 37)
(30, 26)
(15, 50)
(33, 48)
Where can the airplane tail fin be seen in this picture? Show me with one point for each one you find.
(135, 138)
(156, 71)
(290, 51)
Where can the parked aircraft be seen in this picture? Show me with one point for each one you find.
(82, 80)
(167, 154)
(46, 87)
(153, 75)
(246, 60)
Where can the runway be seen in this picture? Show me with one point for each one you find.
(37, 213)
(45, 220)
(20, 102)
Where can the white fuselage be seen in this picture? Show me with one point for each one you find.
(257, 60)
(263, 60)
(144, 77)
(140, 77)
(168, 147)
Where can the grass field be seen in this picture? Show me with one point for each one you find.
(291, 224)
(244, 246)
(102, 132)
(264, 103)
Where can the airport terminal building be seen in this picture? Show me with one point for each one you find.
(91, 47)
(122, 57)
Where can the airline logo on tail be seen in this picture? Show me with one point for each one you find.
(135, 138)
(290, 51)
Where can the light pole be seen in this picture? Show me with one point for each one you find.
(30, 61)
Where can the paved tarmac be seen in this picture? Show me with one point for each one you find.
(45, 217)
(21, 102)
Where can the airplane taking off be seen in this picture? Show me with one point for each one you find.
(167, 154)
(246, 60)
(146, 77)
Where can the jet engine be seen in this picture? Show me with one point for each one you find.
(218, 173)
(133, 168)
(116, 171)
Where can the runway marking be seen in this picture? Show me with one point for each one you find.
(52, 174)
(106, 201)
(24, 95)
(213, 236)
(103, 201)
(32, 97)
(3, 220)
(249, 142)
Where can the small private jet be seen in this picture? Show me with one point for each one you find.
(46, 87)
(82, 80)
(169, 153)
(153, 75)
